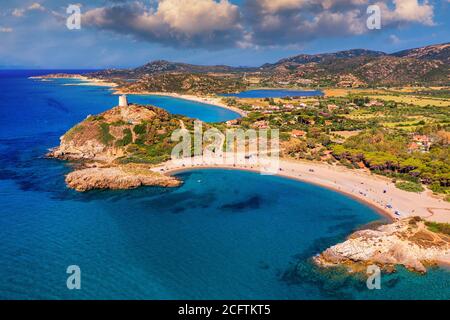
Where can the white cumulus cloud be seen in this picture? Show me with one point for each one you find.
(252, 23)
(182, 22)
(296, 21)
(408, 11)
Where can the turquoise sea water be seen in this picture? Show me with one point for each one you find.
(222, 235)
(275, 93)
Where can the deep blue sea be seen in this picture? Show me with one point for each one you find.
(275, 93)
(222, 235)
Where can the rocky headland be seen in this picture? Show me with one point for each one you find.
(117, 149)
(410, 242)
(117, 177)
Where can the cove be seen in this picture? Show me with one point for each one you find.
(221, 235)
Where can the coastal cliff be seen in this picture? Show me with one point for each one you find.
(116, 149)
(409, 242)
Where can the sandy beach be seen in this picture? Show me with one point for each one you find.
(92, 82)
(376, 191)
(86, 81)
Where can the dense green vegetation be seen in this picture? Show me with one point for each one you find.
(362, 132)
(386, 152)
(153, 142)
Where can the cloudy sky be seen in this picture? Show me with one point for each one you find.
(128, 33)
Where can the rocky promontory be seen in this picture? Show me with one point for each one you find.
(117, 148)
(118, 177)
(409, 242)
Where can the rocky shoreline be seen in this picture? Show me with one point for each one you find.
(112, 147)
(117, 178)
(406, 242)
(100, 145)
(91, 175)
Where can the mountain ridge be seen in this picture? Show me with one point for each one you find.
(350, 53)
(427, 65)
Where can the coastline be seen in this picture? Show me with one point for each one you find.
(215, 101)
(87, 81)
(93, 83)
(373, 191)
(359, 185)
(380, 211)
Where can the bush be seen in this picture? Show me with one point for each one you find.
(140, 128)
(438, 227)
(127, 138)
(409, 186)
(437, 188)
(105, 137)
(346, 163)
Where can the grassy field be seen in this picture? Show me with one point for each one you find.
(415, 100)
(343, 92)
(400, 95)
(263, 103)
(346, 134)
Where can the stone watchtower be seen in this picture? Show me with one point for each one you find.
(123, 102)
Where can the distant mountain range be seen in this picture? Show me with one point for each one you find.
(439, 52)
(427, 65)
(319, 58)
(351, 68)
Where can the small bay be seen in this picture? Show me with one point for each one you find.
(221, 235)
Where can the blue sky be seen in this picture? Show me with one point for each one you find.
(129, 33)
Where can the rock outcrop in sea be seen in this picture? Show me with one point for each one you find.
(117, 177)
(407, 242)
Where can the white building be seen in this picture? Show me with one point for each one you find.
(123, 102)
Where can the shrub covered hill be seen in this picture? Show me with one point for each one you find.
(185, 83)
(116, 148)
(362, 68)
(423, 66)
